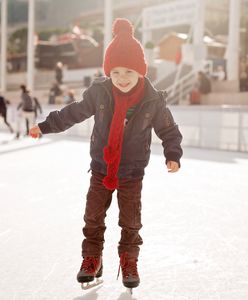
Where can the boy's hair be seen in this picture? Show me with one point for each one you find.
(124, 50)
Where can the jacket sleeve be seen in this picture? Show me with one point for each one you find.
(167, 130)
(76, 112)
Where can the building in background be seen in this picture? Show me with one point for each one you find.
(61, 16)
(171, 44)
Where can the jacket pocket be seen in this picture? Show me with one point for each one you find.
(146, 121)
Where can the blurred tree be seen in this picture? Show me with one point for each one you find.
(18, 41)
(45, 35)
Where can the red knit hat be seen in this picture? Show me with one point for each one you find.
(124, 50)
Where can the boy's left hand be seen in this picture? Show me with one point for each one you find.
(172, 166)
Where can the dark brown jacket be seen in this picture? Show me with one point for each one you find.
(150, 113)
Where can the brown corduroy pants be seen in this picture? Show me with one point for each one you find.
(98, 202)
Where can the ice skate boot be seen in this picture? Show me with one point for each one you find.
(90, 272)
(130, 276)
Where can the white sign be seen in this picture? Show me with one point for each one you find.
(171, 14)
(191, 53)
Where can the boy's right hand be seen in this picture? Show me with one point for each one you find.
(35, 132)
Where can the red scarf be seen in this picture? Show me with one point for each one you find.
(112, 152)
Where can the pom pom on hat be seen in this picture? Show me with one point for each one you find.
(124, 50)
(122, 26)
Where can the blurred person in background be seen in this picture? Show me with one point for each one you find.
(37, 108)
(201, 86)
(54, 92)
(70, 98)
(219, 74)
(3, 111)
(98, 74)
(204, 83)
(59, 72)
(243, 75)
(26, 110)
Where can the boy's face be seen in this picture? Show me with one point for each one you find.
(124, 79)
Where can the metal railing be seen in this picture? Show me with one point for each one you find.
(212, 127)
(181, 88)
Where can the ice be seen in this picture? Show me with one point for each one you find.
(194, 225)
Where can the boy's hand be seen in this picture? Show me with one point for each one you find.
(35, 132)
(172, 166)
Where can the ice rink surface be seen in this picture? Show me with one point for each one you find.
(195, 225)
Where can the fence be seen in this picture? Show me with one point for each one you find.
(213, 127)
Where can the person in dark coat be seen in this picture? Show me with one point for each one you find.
(126, 107)
(27, 111)
(59, 72)
(243, 75)
(54, 92)
(204, 83)
(3, 112)
(37, 107)
(201, 86)
(70, 98)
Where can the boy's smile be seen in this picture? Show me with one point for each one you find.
(123, 85)
(124, 79)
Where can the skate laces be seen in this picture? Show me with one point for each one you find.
(90, 264)
(128, 266)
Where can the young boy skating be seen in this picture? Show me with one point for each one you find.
(125, 107)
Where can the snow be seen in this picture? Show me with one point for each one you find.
(194, 225)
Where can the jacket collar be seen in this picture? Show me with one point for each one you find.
(150, 92)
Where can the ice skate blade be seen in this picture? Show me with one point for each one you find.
(90, 285)
(130, 291)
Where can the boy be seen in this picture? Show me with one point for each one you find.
(125, 107)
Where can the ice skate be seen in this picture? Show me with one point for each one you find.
(90, 272)
(130, 276)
